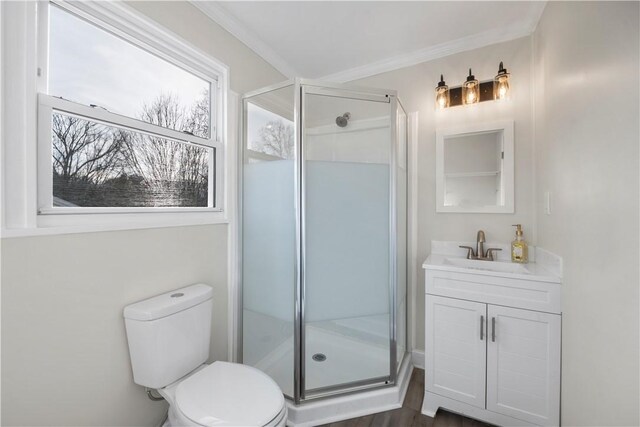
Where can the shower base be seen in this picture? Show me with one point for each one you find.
(333, 409)
(337, 352)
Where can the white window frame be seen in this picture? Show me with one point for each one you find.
(49, 105)
(27, 139)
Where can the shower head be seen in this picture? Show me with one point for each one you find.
(343, 120)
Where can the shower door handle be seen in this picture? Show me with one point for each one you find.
(481, 328)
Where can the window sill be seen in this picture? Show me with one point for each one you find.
(48, 225)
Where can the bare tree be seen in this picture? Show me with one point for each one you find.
(198, 121)
(177, 173)
(83, 149)
(98, 165)
(276, 139)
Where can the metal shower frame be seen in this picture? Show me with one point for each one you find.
(303, 87)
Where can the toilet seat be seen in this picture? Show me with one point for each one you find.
(230, 394)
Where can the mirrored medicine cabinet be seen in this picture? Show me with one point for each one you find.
(475, 168)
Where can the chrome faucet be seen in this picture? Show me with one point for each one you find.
(479, 252)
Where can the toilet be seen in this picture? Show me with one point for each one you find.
(169, 337)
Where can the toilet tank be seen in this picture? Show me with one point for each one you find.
(169, 335)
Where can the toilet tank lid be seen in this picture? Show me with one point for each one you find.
(168, 303)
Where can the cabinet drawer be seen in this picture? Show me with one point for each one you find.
(527, 294)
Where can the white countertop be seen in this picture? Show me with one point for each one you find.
(451, 258)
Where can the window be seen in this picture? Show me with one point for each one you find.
(91, 66)
(124, 125)
(96, 165)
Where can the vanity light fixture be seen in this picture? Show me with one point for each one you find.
(442, 94)
(472, 91)
(501, 83)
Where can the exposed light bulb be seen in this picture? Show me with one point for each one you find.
(470, 90)
(442, 94)
(501, 84)
(471, 97)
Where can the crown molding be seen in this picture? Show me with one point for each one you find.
(428, 54)
(441, 50)
(229, 22)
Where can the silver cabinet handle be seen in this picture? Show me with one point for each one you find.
(481, 328)
(493, 329)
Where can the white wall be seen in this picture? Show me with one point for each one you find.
(585, 152)
(64, 349)
(415, 87)
(248, 71)
(587, 139)
(65, 360)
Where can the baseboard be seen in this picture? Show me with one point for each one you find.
(417, 358)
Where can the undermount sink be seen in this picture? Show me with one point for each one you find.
(497, 266)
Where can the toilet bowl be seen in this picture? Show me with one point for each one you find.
(168, 337)
(225, 394)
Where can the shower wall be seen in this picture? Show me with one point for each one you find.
(350, 242)
(348, 170)
(270, 234)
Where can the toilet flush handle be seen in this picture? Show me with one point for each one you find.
(151, 396)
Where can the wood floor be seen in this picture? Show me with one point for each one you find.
(409, 415)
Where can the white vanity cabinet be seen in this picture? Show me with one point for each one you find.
(492, 347)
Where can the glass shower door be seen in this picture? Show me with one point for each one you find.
(269, 235)
(347, 216)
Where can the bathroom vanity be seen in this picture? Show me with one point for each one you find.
(492, 337)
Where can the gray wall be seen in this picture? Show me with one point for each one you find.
(64, 354)
(415, 87)
(586, 66)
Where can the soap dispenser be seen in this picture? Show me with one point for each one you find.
(519, 248)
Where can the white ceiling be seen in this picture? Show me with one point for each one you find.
(343, 41)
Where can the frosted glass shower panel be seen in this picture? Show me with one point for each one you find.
(347, 240)
(268, 235)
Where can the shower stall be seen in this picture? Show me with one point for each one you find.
(323, 258)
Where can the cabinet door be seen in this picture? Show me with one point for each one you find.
(455, 349)
(523, 364)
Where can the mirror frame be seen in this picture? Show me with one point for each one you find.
(507, 166)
